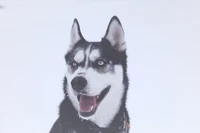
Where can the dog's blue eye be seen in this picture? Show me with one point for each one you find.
(100, 63)
(74, 64)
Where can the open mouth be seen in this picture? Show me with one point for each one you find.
(88, 104)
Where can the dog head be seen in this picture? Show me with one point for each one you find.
(95, 71)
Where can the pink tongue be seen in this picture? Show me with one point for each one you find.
(87, 103)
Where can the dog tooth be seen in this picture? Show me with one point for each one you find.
(91, 108)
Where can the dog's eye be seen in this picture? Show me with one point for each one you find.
(74, 64)
(100, 63)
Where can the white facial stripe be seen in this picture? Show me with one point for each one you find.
(87, 54)
(79, 57)
(94, 55)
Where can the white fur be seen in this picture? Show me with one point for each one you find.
(95, 54)
(79, 57)
(116, 36)
(109, 106)
(87, 54)
(112, 101)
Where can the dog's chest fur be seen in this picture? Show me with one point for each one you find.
(70, 122)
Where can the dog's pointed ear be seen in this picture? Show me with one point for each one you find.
(115, 34)
(75, 34)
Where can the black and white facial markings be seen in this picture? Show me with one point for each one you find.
(101, 65)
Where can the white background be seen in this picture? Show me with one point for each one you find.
(163, 53)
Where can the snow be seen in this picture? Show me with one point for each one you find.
(163, 58)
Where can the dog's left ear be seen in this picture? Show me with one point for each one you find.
(75, 34)
(115, 34)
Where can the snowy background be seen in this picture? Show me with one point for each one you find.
(164, 60)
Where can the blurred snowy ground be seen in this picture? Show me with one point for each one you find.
(163, 49)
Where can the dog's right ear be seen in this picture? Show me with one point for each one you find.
(115, 34)
(75, 34)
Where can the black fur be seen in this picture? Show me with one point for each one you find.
(69, 120)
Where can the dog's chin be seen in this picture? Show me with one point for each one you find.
(89, 104)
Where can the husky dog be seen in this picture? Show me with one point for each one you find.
(95, 84)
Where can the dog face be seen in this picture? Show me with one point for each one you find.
(95, 72)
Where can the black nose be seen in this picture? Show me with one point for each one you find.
(79, 83)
